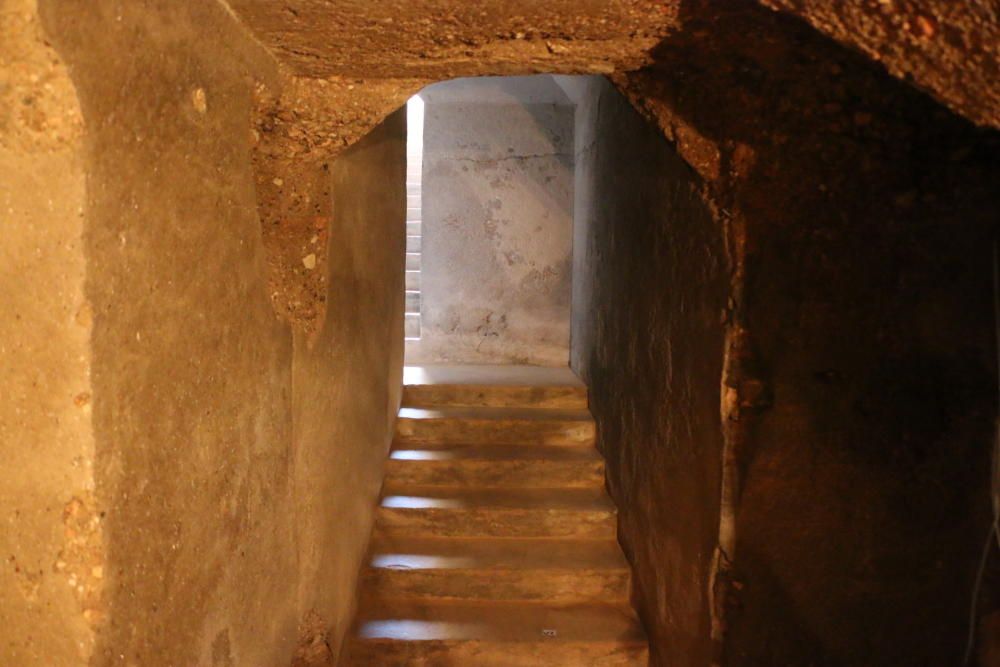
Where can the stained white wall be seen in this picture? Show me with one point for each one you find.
(496, 224)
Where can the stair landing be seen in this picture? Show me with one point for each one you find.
(495, 541)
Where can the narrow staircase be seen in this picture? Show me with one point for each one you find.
(495, 542)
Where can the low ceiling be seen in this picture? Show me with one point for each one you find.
(437, 39)
(950, 49)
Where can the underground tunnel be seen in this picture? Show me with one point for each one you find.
(672, 341)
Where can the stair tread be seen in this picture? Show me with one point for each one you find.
(490, 452)
(495, 413)
(463, 498)
(399, 620)
(534, 387)
(434, 553)
(492, 376)
(494, 465)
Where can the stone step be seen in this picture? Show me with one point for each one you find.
(411, 325)
(528, 426)
(498, 396)
(413, 280)
(413, 261)
(495, 542)
(412, 302)
(495, 466)
(497, 569)
(413, 200)
(493, 386)
(413, 228)
(412, 244)
(497, 635)
(471, 512)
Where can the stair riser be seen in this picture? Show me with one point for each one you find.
(411, 304)
(494, 522)
(387, 653)
(411, 325)
(496, 431)
(444, 395)
(610, 586)
(509, 474)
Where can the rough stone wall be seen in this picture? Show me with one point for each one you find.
(861, 386)
(50, 534)
(496, 230)
(440, 39)
(650, 266)
(950, 49)
(299, 128)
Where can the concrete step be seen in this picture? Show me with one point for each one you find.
(528, 426)
(497, 569)
(412, 244)
(413, 228)
(493, 386)
(413, 280)
(495, 542)
(412, 302)
(495, 466)
(413, 200)
(471, 512)
(411, 325)
(497, 635)
(413, 261)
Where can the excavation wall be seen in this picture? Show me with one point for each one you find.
(50, 534)
(649, 287)
(192, 480)
(861, 400)
(497, 222)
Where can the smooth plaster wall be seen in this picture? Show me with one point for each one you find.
(496, 228)
(192, 481)
(649, 287)
(191, 369)
(348, 380)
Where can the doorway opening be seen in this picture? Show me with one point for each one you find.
(489, 249)
(414, 167)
